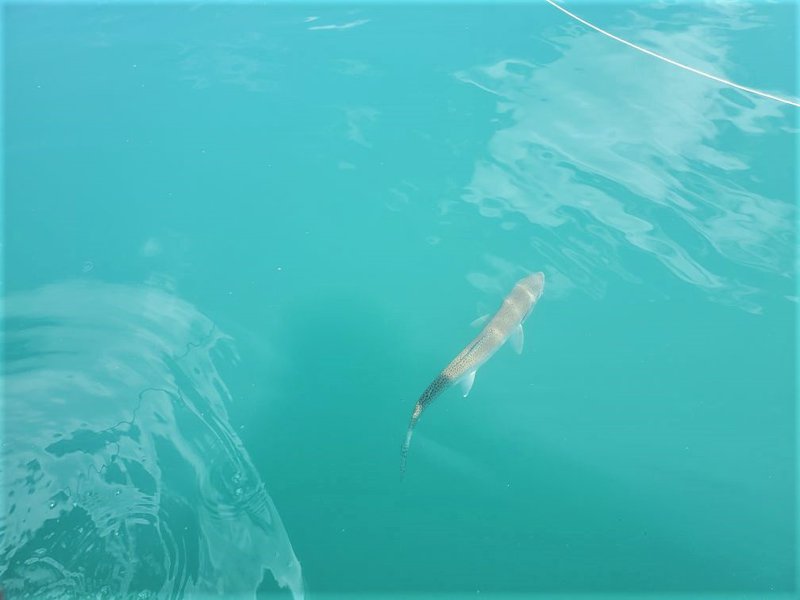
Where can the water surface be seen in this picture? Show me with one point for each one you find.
(241, 240)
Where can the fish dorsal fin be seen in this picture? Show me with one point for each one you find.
(480, 321)
(466, 383)
(517, 339)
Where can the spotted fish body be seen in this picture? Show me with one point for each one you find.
(505, 323)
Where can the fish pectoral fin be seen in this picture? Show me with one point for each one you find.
(466, 382)
(480, 321)
(518, 339)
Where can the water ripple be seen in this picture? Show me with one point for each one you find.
(657, 161)
(123, 475)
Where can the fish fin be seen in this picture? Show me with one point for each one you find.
(518, 339)
(480, 321)
(466, 382)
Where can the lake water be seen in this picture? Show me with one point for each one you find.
(240, 240)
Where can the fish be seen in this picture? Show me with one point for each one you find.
(504, 325)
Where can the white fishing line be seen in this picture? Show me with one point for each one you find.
(673, 62)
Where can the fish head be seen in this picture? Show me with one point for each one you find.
(533, 284)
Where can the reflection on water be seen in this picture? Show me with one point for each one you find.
(122, 472)
(646, 176)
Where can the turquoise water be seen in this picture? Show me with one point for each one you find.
(240, 241)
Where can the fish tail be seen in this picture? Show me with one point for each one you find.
(407, 441)
(404, 450)
(429, 395)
